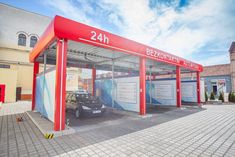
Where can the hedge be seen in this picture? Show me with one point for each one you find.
(212, 96)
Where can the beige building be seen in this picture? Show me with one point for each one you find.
(19, 32)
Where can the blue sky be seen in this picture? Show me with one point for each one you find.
(197, 30)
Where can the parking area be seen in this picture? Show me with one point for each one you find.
(189, 131)
(88, 122)
(128, 121)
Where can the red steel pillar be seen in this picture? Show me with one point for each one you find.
(60, 85)
(35, 72)
(2, 93)
(198, 88)
(178, 86)
(93, 80)
(142, 86)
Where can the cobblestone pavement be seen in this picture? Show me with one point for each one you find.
(210, 132)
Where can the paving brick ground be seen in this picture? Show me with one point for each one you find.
(194, 132)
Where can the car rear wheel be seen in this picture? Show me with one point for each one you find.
(77, 113)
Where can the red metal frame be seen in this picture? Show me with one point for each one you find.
(178, 86)
(142, 72)
(89, 35)
(45, 40)
(35, 72)
(83, 33)
(60, 85)
(93, 80)
(2, 93)
(198, 89)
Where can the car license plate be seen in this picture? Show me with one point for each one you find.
(96, 111)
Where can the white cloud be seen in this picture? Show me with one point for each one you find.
(178, 32)
(181, 32)
(68, 9)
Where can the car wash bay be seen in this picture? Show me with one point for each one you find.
(66, 43)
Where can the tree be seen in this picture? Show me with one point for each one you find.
(221, 97)
(212, 96)
(230, 97)
(206, 97)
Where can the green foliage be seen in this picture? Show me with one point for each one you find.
(233, 97)
(212, 96)
(206, 97)
(221, 96)
(229, 96)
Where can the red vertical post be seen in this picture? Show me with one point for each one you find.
(60, 85)
(35, 72)
(198, 88)
(93, 80)
(2, 92)
(142, 86)
(178, 86)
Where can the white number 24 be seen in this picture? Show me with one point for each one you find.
(100, 37)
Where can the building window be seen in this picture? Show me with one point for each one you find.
(33, 41)
(22, 40)
(5, 66)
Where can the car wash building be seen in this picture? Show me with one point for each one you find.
(67, 43)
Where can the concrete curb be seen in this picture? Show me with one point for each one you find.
(46, 126)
